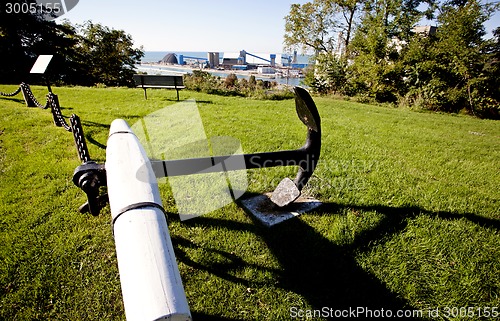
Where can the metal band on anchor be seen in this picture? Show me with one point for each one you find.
(121, 132)
(136, 206)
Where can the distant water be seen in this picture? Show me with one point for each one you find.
(155, 56)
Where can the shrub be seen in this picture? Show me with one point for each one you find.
(203, 81)
(231, 81)
(252, 82)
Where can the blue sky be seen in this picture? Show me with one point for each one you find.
(192, 25)
(196, 25)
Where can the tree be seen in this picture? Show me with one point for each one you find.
(324, 26)
(349, 10)
(454, 69)
(231, 81)
(489, 81)
(328, 74)
(83, 55)
(108, 54)
(372, 53)
(462, 48)
(384, 30)
(24, 36)
(312, 25)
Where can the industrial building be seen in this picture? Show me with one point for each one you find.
(169, 59)
(231, 60)
(264, 63)
(424, 30)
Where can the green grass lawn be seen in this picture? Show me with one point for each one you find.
(410, 220)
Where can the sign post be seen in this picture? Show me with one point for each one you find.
(40, 67)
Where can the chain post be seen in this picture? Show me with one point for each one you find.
(89, 176)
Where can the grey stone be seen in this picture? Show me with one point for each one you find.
(285, 193)
(270, 214)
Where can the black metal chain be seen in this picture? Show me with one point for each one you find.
(18, 90)
(27, 91)
(52, 102)
(59, 120)
(89, 176)
(81, 145)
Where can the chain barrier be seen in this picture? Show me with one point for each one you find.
(18, 90)
(52, 102)
(81, 145)
(59, 120)
(30, 97)
(89, 176)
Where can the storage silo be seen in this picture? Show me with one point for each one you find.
(213, 59)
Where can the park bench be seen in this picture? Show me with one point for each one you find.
(159, 81)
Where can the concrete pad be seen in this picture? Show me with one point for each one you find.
(270, 214)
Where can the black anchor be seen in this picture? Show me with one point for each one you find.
(90, 176)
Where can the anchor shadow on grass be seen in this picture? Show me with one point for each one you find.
(323, 273)
(396, 219)
(328, 275)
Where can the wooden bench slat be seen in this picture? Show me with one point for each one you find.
(165, 87)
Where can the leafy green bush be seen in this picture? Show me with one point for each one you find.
(203, 81)
(328, 75)
(231, 81)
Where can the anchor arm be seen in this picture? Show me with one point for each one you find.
(309, 115)
(203, 165)
(305, 157)
(288, 191)
(312, 150)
